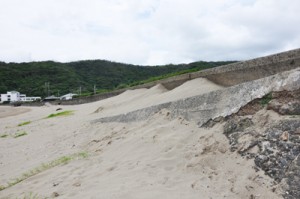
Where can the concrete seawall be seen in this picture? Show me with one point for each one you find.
(236, 73)
(218, 103)
(227, 75)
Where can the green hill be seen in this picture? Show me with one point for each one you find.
(30, 78)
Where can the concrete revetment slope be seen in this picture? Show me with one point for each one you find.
(218, 103)
(227, 75)
(243, 81)
(236, 73)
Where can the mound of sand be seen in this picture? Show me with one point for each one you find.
(190, 88)
(141, 98)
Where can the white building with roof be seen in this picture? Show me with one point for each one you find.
(10, 96)
(68, 96)
(29, 99)
(15, 96)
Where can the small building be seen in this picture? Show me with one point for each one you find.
(15, 96)
(29, 99)
(10, 96)
(51, 98)
(68, 96)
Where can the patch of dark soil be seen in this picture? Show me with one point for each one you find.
(285, 102)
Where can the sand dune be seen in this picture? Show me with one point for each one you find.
(137, 99)
(157, 158)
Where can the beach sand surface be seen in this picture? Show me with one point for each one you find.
(7, 111)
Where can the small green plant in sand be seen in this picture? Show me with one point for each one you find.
(266, 99)
(45, 166)
(24, 123)
(294, 116)
(30, 196)
(3, 135)
(64, 113)
(19, 134)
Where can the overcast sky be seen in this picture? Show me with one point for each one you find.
(147, 32)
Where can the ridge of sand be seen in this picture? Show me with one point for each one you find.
(188, 89)
(142, 98)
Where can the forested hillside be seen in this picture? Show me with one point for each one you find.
(30, 78)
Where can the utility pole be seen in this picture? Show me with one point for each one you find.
(79, 90)
(94, 89)
(47, 88)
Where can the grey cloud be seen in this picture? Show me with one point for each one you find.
(146, 32)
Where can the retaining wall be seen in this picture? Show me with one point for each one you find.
(236, 73)
(218, 103)
(227, 75)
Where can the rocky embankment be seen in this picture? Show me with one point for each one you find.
(267, 130)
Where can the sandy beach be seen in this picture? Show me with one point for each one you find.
(6, 111)
(161, 157)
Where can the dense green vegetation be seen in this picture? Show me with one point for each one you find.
(30, 78)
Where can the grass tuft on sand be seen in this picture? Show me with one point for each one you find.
(45, 166)
(30, 196)
(20, 134)
(24, 123)
(3, 135)
(64, 113)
